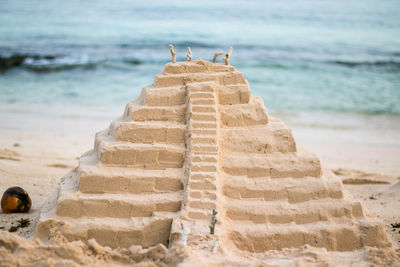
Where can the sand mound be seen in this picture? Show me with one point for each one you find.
(392, 191)
(15, 251)
(360, 177)
(197, 141)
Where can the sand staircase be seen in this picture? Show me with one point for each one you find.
(194, 141)
(275, 196)
(203, 150)
(128, 190)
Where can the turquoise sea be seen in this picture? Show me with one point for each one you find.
(308, 59)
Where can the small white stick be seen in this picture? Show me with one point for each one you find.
(189, 55)
(227, 56)
(216, 55)
(215, 246)
(171, 49)
(185, 234)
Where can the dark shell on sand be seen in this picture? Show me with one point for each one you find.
(15, 200)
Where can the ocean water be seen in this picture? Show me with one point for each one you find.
(74, 59)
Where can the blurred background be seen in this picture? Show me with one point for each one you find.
(330, 68)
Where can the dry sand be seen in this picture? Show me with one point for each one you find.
(36, 161)
(40, 159)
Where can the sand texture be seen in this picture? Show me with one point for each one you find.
(145, 180)
(193, 142)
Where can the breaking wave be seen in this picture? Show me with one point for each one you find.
(378, 63)
(47, 63)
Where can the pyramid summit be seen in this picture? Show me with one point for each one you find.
(195, 141)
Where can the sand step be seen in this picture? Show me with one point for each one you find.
(116, 205)
(113, 232)
(202, 185)
(195, 67)
(275, 164)
(202, 194)
(204, 108)
(175, 68)
(203, 139)
(203, 87)
(122, 180)
(204, 116)
(169, 80)
(234, 94)
(153, 113)
(169, 96)
(206, 158)
(203, 167)
(203, 176)
(162, 80)
(150, 156)
(290, 189)
(271, 137)
(203, 95)
(203, 131)
(128, 183)
(203, 124)
(201, 204)
(333, 236)
(200, 149)
(244, 115)
(282, 212)
(198, 214)
(203, 101)
(148, 132)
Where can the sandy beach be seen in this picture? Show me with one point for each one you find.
(36, 161)
(212, 133)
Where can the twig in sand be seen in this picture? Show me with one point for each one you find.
(227, 56)
(171, 49)
(189, 55)
(216, 55)
(213, 221)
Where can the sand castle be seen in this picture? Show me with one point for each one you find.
(194, 141)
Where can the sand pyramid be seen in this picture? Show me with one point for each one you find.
(194, 141)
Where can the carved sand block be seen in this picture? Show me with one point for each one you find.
(195, 141)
